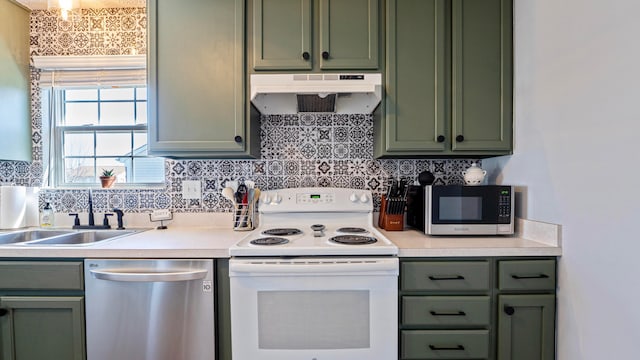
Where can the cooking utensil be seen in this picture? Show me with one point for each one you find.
(228, 193)
(240, 197)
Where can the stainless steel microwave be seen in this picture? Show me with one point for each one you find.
(461, 210)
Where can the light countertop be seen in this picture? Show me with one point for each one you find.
(533, 239)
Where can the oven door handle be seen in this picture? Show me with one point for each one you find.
(313, 267)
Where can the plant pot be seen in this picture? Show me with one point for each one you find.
(107, 181)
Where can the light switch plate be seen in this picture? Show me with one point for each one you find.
(191, 189)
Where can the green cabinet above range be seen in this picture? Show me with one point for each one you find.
(314, 34)
(448, 79)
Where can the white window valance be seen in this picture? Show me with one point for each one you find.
(91, 71)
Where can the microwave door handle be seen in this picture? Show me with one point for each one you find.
(169, 276)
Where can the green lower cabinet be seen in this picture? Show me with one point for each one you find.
(526, 327)
(42, 327)
(444, 344)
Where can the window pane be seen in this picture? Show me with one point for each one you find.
(148, 170)
(113, 143)
(116, 113)
(141, 93)
(117, 164)
(81, 94)
(81, 114)
(116, 94)
(141, 115)
(79, 171)
(78, 144)
(140, 144)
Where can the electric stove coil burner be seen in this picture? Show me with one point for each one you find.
(282, 232)
(353, 239)
(352, 230)
(272, 240)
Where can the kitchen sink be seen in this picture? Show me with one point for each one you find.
(82, 237)
(61, 237)
(30, 235)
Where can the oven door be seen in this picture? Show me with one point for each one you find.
(314, 308)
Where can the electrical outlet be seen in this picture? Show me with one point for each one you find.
(191, 189)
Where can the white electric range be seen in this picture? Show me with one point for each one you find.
(315, 280)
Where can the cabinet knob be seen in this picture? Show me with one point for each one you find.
(305, 55)
(441, 138)
(238, 139)
(325, 55)
(3, 312)
(509, 310)
(459, 138)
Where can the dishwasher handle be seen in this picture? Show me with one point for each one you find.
(127, 275)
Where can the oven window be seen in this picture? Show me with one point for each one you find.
(460, 208)
(299, 320)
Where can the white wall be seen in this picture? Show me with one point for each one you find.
(577, 122)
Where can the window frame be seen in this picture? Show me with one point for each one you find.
(57, 156)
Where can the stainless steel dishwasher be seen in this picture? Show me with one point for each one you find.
(149, 309)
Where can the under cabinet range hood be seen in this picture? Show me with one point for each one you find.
(295, 93)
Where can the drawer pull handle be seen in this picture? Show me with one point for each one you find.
(522, 277)
(438, 278)
(456, 313)
(438, 348)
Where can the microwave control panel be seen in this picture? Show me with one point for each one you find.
(504, 206)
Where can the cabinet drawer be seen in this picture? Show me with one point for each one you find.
(527, 275)
(444, 344)
(446, 310)
(445, 275)
(41, 275)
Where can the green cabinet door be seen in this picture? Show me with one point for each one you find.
(196, 79)
(414, 122)
(282, 34)
(15, 113)
(481, 75)
(526, 327)
(41, 327)
(349, 34)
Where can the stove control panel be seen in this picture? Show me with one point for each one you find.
(316, 200)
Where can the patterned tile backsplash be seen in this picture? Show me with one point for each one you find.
(303, 150)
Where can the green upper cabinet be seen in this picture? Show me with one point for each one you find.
(196, 80)
(343, 34)
(482, 75)
(282, 34)
(448, 79)
(15, 115)
(415, 78)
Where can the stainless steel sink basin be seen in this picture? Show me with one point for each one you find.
(30, 235)
(83, 237)
(61, 237)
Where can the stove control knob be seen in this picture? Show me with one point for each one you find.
(364, 198)
(353, 197)
(277, 199)
(266, 199)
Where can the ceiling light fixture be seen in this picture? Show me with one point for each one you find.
(67, 8)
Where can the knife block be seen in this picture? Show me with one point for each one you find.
(390, 222)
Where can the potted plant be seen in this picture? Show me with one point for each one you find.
(107, 178)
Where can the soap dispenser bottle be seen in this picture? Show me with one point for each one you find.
(46, 218)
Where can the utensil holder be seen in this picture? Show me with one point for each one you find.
(243, 217)
(390, 222)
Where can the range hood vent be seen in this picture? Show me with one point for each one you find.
(294, 93)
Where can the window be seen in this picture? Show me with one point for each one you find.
(96, 129)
